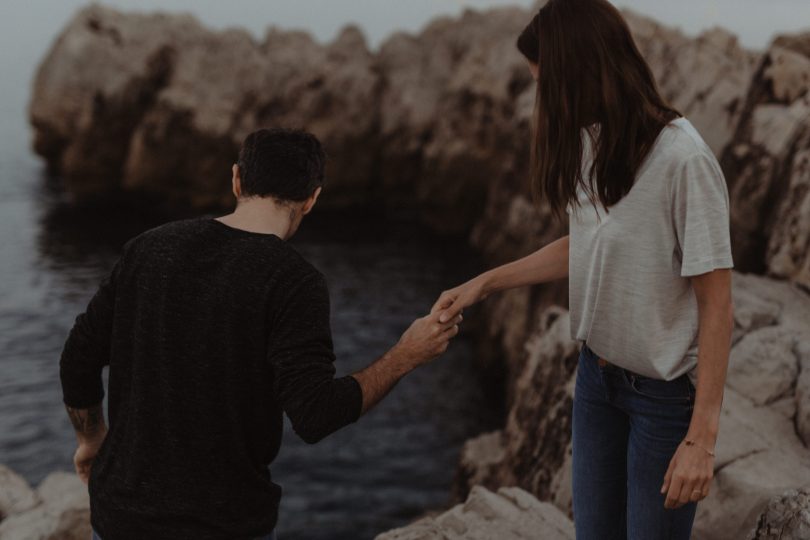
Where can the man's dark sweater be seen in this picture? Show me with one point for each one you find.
(210, 333)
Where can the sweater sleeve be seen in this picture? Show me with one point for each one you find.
(301, 353)
(87, 348)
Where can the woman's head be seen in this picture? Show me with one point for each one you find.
(589, 71)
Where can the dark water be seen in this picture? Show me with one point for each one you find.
(394, 464)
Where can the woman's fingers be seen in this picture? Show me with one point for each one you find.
(444, 301)
(451, 312)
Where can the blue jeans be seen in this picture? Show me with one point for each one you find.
(625, 430)
(271, 536)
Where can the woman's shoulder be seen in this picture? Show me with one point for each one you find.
(681, 141)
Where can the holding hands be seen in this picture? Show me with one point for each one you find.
(427, 338)
(453, 301)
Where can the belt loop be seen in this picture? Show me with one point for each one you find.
(629, 376)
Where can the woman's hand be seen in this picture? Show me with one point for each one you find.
(688, 477)
(453, 301)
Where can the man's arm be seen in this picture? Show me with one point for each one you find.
(86, 352)
(301, 353)
(88, 423)
(426, 339)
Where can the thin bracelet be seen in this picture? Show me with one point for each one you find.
(690, 442)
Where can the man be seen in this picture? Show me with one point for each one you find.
(213, 328)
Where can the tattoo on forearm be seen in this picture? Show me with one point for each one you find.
(87, 422)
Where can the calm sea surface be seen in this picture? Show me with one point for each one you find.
(394, 464)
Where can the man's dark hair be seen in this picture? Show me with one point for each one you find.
(286, 164)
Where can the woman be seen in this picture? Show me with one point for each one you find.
(649, 264)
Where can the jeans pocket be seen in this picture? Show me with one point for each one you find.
(678, 390)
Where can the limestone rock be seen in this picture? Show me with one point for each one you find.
(63, 514)
(767, 166)
(509, 514)
(15, 494)
(447, 111)
(802, 402)
(786, 518)
(706, 78)
(763, 365)
(534, 443)
(158, 104)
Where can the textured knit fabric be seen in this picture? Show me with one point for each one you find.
(630, 295)
(210, 334)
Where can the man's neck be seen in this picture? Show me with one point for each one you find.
(262, 215)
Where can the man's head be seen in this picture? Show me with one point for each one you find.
(285, 165)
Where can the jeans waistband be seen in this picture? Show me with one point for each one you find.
(611, 365)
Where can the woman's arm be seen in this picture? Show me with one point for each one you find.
(692, 467)
(548, 263)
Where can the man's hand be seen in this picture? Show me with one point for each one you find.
(423, 341)
(688, 477)
(84, 456)
(426, 339)
(451, 302)
(91, 430)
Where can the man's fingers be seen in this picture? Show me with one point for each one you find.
(451, 331)
(455, 321)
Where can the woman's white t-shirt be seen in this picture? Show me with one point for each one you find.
(630, 297)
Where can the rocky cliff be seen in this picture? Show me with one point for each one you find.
(437, 124)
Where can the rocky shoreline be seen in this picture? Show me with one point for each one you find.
(437, 125)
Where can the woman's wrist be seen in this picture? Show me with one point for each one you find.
(485, 284)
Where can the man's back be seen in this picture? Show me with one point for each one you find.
(212, 329)
(213, 333)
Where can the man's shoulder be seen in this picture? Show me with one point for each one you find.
(300, 270)
(171, 228)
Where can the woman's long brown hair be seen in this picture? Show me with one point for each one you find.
(591, 72)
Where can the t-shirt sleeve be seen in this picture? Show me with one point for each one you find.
(301, 353)
(701, 218)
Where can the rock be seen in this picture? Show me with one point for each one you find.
(763, 366)
(758, 456)
(786, 518)
(802, 402)
(481, 459)
(448, 110)
(751, 311)
(706, 78)
(16, 495)
(534, 443)
(63, 513)
(768, 166)
(509, 514)
(157, 104)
